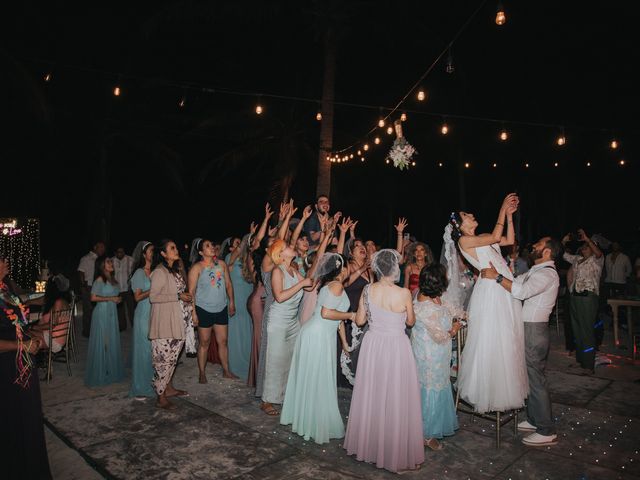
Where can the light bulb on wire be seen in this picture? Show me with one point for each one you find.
(613, 144)
(319, 116)
(116, 91)
(389, 130)
(47, 77)
(403, 117)
(365, 147)
(381, 122)
(444, 129)
(504, 135)
(422, 95)
(259, 109)
(182, 102)
(621, 163)
(376, 140)
(450, 68)
(501, 18)
(561, 140)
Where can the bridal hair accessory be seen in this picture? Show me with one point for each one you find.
(454, 295)
(139, 251)
(196, 245)
(386, 263)
(328, 263)
(454, 221)
(402, 151)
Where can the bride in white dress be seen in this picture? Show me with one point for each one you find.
(493, 375)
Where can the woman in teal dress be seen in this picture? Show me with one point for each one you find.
(311, 399)
(104, 358)
(142, 365)
(241, 325)
(431, 341)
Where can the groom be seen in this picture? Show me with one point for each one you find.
(538, 288)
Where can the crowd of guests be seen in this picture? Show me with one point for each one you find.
(298, 306)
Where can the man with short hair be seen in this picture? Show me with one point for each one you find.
(122, 269)
(618, 270)
(86, 269)
(312, 225)
(538, 289)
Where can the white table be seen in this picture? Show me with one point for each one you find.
(622, 302)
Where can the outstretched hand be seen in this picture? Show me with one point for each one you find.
(267, 211)
(402, 224)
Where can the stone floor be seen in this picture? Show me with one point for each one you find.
(218, 432)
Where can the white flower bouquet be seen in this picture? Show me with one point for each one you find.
(402, 151)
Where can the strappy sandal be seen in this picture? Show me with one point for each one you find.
(433, 444)
(269, 410)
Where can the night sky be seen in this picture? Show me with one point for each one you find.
(206, 169)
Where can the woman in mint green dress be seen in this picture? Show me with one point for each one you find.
(311, 399)
(142, 365)
(104, 358)
(241, 325)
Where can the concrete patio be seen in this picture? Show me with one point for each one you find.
(218, 432)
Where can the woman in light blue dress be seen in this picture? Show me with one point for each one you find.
(311, 399)
(104, 358)
(431, 341)
(241, 325)
(283, 325)
(142, 365)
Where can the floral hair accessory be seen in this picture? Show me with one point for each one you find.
(454, 221)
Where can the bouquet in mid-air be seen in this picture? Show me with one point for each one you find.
(402, 151)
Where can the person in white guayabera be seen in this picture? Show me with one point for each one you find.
(538, 289)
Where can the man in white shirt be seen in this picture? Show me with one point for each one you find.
(122, 268)
(86, 270)
(584, 300)
(538, 289)
(618, 268)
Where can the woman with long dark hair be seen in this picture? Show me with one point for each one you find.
(142, 365)
(418, 255)
(311, 398)
(167, 322)
(104, 358)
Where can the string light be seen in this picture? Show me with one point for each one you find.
(614, 144)
(504, 135)
(259, 109)
(362, 159)
(495, 165)
(319, 116)
(376, 140)
(467, 165)
(422, 95)
(413, 164)
(621, 163)
(526, 165)
(403, 117)
(387, 161)
(561, 140)
(555, 164)
(501, 18)
(449, 68)
(365, 147)
(381, 122)
(182, 102)
(359, 153)
(389, 130)
(116, 91)
(444, 129)
(440, 164)
(20, 241)
(47, 77)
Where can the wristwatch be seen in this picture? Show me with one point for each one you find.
(499, 278)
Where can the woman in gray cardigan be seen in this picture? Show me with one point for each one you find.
(167, 322)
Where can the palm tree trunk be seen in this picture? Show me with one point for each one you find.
(323, 185)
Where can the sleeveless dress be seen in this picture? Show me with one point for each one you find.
(282, 332)
(262, 354)
(211, 295)
(385, 417)
(255, 306)
(414, 282)
(311, 399)
(240, 325)
(104, 358)
(141, 364)
(493, 374)
(431, 344)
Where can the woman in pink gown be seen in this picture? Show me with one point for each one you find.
(385, 418)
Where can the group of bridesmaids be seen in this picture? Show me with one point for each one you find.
(278, 313)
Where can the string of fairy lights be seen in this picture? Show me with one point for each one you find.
(20, 243)
(410, 103)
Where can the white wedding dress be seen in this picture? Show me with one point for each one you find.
(493, 374)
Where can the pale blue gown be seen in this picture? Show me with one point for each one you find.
(141, 365)
(282, 332)
(311, 400)
(240, 333)
(431, 343)
(104, 358)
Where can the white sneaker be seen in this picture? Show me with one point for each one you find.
(537, 440)
(526, 427)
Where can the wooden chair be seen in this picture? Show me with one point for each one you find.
(60, 327)
(499, 418)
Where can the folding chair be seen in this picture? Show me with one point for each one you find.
(60, 327)
(497, 417)
(73, 329)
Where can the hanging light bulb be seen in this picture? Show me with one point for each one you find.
(182, 101)
(561, 140)
(376, 140)
(387, 161)
(444, 129)
(449, 68)
(495, 165)
(555, 164)
(413, 164)
(381, 122)
(359, 152)
(422, 94)
(389, 130)
(47, 77)
(467, 165)
(614, 144)
(504, 135)
(440, 164)
(621, 163)
(365, 147)
(319, 116)
(501, 18)
(362, 159)
(259, 109)
(403, 117)
(116, 91)
(351, 156)
(588, 164)
(526, 165)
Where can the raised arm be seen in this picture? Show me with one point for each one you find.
(402, 224)
(583, 237)
(289, 211)
(324, 241)
(344, 227)
(306, 213)
(468, 241)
